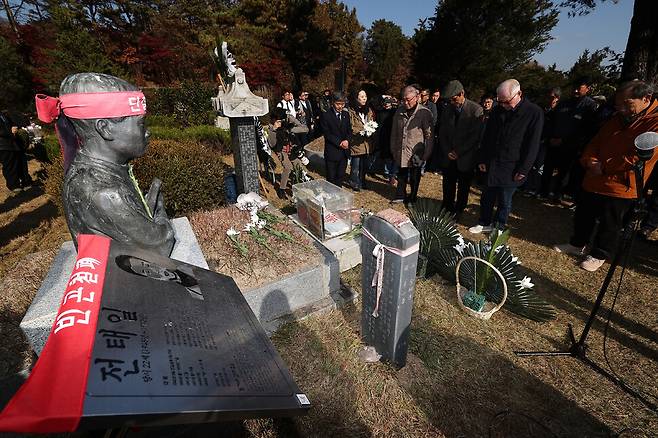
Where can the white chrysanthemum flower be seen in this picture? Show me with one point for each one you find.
(526, 283)
(461, 245)
(515, 259)
(248, 227)
(232, 232)
(260, 224)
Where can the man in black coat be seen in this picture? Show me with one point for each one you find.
(10, 152)
(336, 127)
(573, 125)
(509, 149)
(460, 130)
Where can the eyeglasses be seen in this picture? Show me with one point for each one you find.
(410, 99)
(507, 102)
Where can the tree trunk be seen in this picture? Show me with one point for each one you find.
(641, 57)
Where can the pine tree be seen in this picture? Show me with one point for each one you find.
(474, 40)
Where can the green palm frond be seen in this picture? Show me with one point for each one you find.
(436, 226)
(442, 244)
(521, 299)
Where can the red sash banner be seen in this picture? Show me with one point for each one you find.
(51, 400)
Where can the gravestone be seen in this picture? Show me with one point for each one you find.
(201, 353)
(40, 316)
(148, 341)
(243, 139)
(386, 320)
(236, 101)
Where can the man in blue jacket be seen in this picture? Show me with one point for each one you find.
(509, 149)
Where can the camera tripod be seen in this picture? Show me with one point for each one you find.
(578, 348)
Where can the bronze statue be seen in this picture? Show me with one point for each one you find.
(101, 121)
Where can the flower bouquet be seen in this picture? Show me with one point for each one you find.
(369, 128)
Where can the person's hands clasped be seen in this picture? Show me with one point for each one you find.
(519, 177)
(482, 167)
(344, 144)
(452, 155)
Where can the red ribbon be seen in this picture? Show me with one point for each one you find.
(51, 400)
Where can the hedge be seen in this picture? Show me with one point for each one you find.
(217, 139)
(189, 104)
(192, 176)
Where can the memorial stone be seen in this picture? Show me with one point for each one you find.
(172, 344)
(389, 249)
(201, 353)
(243, 139)
(236, 101)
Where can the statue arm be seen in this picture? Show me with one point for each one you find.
(127, 221)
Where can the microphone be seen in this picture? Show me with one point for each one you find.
(645, 143)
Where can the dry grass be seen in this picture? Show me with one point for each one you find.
(462, 378)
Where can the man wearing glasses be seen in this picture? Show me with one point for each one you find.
(412, 138)
(509, 149)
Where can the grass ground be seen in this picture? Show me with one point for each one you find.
(462, 378)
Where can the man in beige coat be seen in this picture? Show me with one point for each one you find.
(412, 139)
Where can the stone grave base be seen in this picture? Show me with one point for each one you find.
(347, 251)
(40, 316)
(312, 289)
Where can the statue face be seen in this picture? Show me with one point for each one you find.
(130, 137)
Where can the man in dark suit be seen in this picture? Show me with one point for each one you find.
(336, 127)
(509, 148)
(459, 134)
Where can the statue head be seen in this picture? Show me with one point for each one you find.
(115, 139)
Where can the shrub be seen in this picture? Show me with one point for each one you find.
(192, 175)
(217, 139)
(188, 104)
(53, 150)
(53, 181)
(161, 120)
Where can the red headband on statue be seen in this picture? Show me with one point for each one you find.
(104, 105)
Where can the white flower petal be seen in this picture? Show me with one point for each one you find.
(526, 283)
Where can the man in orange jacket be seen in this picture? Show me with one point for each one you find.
(609, 188)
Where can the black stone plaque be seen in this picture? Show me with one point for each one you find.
(388, 329)
(243, 138)
(179, 344)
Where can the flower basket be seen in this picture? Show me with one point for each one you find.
(489, 307)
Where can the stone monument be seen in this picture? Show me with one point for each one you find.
(100, 122)
(389, 248)
(236, 101)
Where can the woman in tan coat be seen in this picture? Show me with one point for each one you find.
(361, 142)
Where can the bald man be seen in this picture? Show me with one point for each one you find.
(509, 149)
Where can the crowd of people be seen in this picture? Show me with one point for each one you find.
(577, 151)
